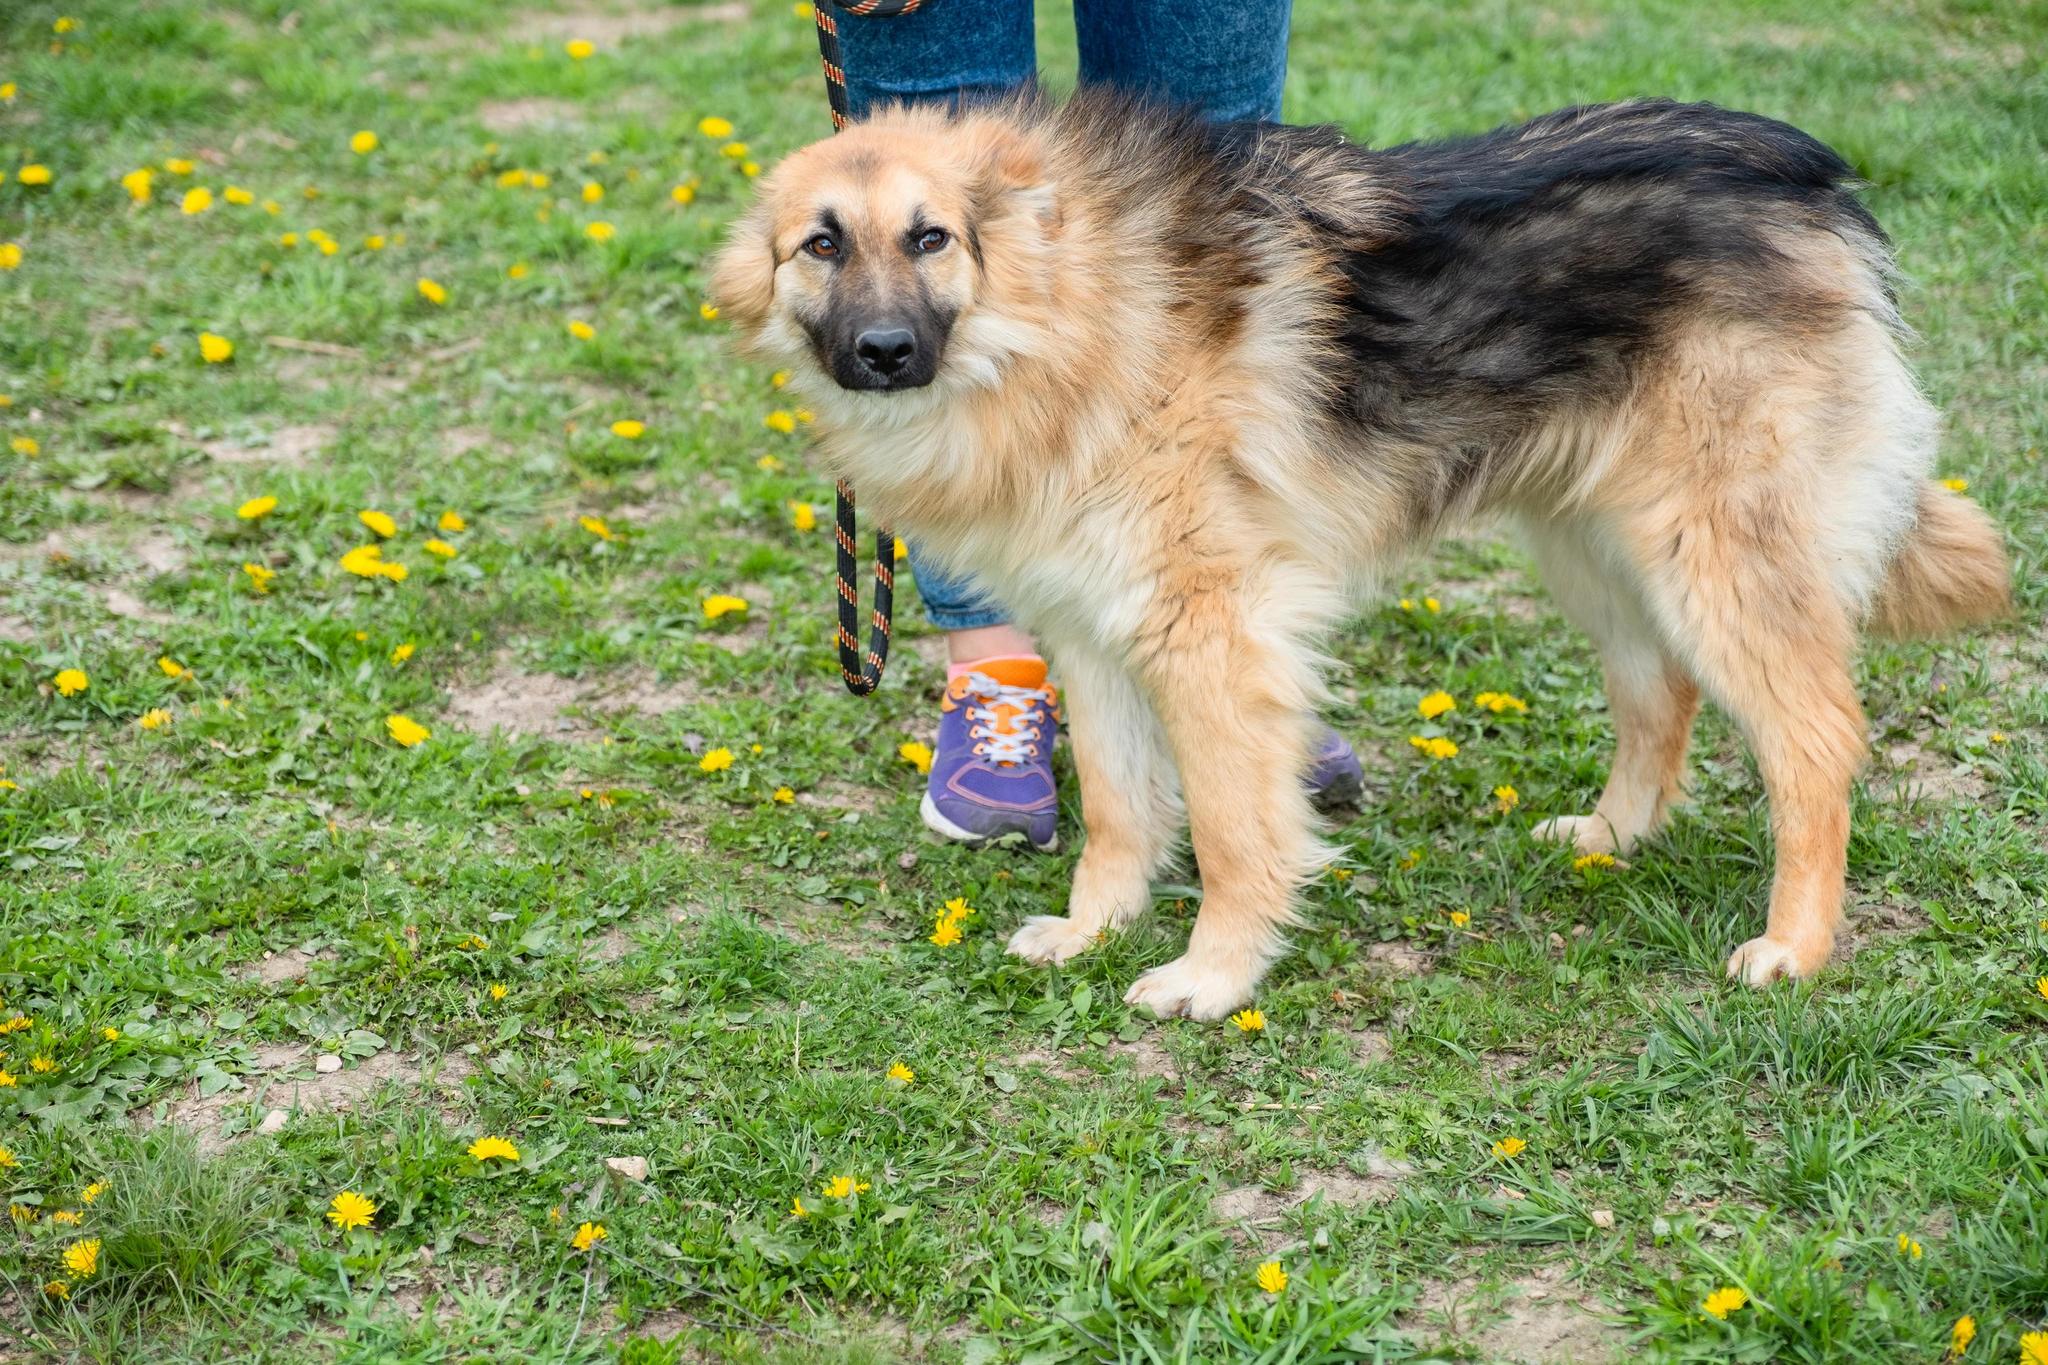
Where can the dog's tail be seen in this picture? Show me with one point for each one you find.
(1950, 572)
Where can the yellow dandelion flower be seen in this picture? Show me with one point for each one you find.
(1588, 861)
(706, 311)
(721, 603)
(171, 668)
(70, 1218)
(900, 551)
(1460, 918)
(802, 517)
(441, 548)
(65, 24)
(1437, 748)
(580, 49)
(349, 1210)
(518, 270)
(582, 331)
(259, 575)
(592, 192)
(33, 174)
(156, 718)
(1910, 1248)
(57, 1289)
(1435, 704)
(737, 151)
(215, 349)
(140, 184)
(430, 290)
(1962, 1334)
(597, 527)
(2042, 986)
(2034, 1348)
(779, 420)
(1955, 485)
(257, 507)
(1506, 798)
(380, 522)
(93, 1191)
(363, 143)
(11, 257)
(797, 1209)
(1497, 702)
(1997, 737)
(499, 991)
(1722, 1302)
(917, 754)
(197, 200)
(843, 1187)
(1509, 1147)
(587, 1236)
(805, 416)
(179, 165)
(1431, 605)
(83, 1258)
(235, 194)
(778, 379)
(7, 1160)
(374, 242)
(272, 207)
(683, 194)
(288, 239)
(401, 653)
(71, 681)
(26, 447)
(629, 429)
(784, 796)
(23, 1213)
(405, 731)
(451, 520)
(1272, 1278)
(7, 1080)
(328, 247)
(1249, 1021)
(485, 1148)
(901, 1074)
(600, 231)
(715, 761)
(769, 463)
(714, 127)
(539, 181)
(8, 91)
(750, 169)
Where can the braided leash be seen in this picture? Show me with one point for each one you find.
(863, 673)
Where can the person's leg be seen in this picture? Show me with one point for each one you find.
(952, 50)
(1228, 58)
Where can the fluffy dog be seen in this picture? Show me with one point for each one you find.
(1188, 391)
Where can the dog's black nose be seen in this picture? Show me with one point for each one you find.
(884, 349)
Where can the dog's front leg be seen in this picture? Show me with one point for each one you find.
(1234, 696)
(1130, 807)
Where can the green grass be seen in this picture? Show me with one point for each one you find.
(699, 975)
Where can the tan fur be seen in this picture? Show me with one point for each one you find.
(1140, 463)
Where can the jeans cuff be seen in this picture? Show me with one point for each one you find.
(970, 619)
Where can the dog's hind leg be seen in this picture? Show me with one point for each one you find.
(1739, 584)
(1650, 698)
(1130, 807)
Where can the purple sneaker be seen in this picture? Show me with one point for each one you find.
(991, 778)
(1335, 777)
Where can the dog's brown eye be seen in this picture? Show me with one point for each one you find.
(822, 246)
(932, 239)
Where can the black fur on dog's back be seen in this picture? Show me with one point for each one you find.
(1541, 259)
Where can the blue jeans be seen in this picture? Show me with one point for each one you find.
(1228, 57)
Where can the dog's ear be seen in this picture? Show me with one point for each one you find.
(743, 276)
(1010, 175)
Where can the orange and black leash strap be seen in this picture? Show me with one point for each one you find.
(862, 672)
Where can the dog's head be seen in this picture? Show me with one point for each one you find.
(885, 256)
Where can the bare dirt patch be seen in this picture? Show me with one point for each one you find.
(520, 703)
(512, 116)
(1260, 1209)
(282, 1077)
(1399, 957)
(15, 630)
(277, 968)
(1923, 775)
(288, 447)
(605, 26)
(1536, 1320)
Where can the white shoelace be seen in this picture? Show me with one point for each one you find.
(1017, 745)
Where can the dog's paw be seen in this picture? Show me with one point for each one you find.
(1196, 990)
(1052, 938)
(1763, 960)
(1587, 833)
